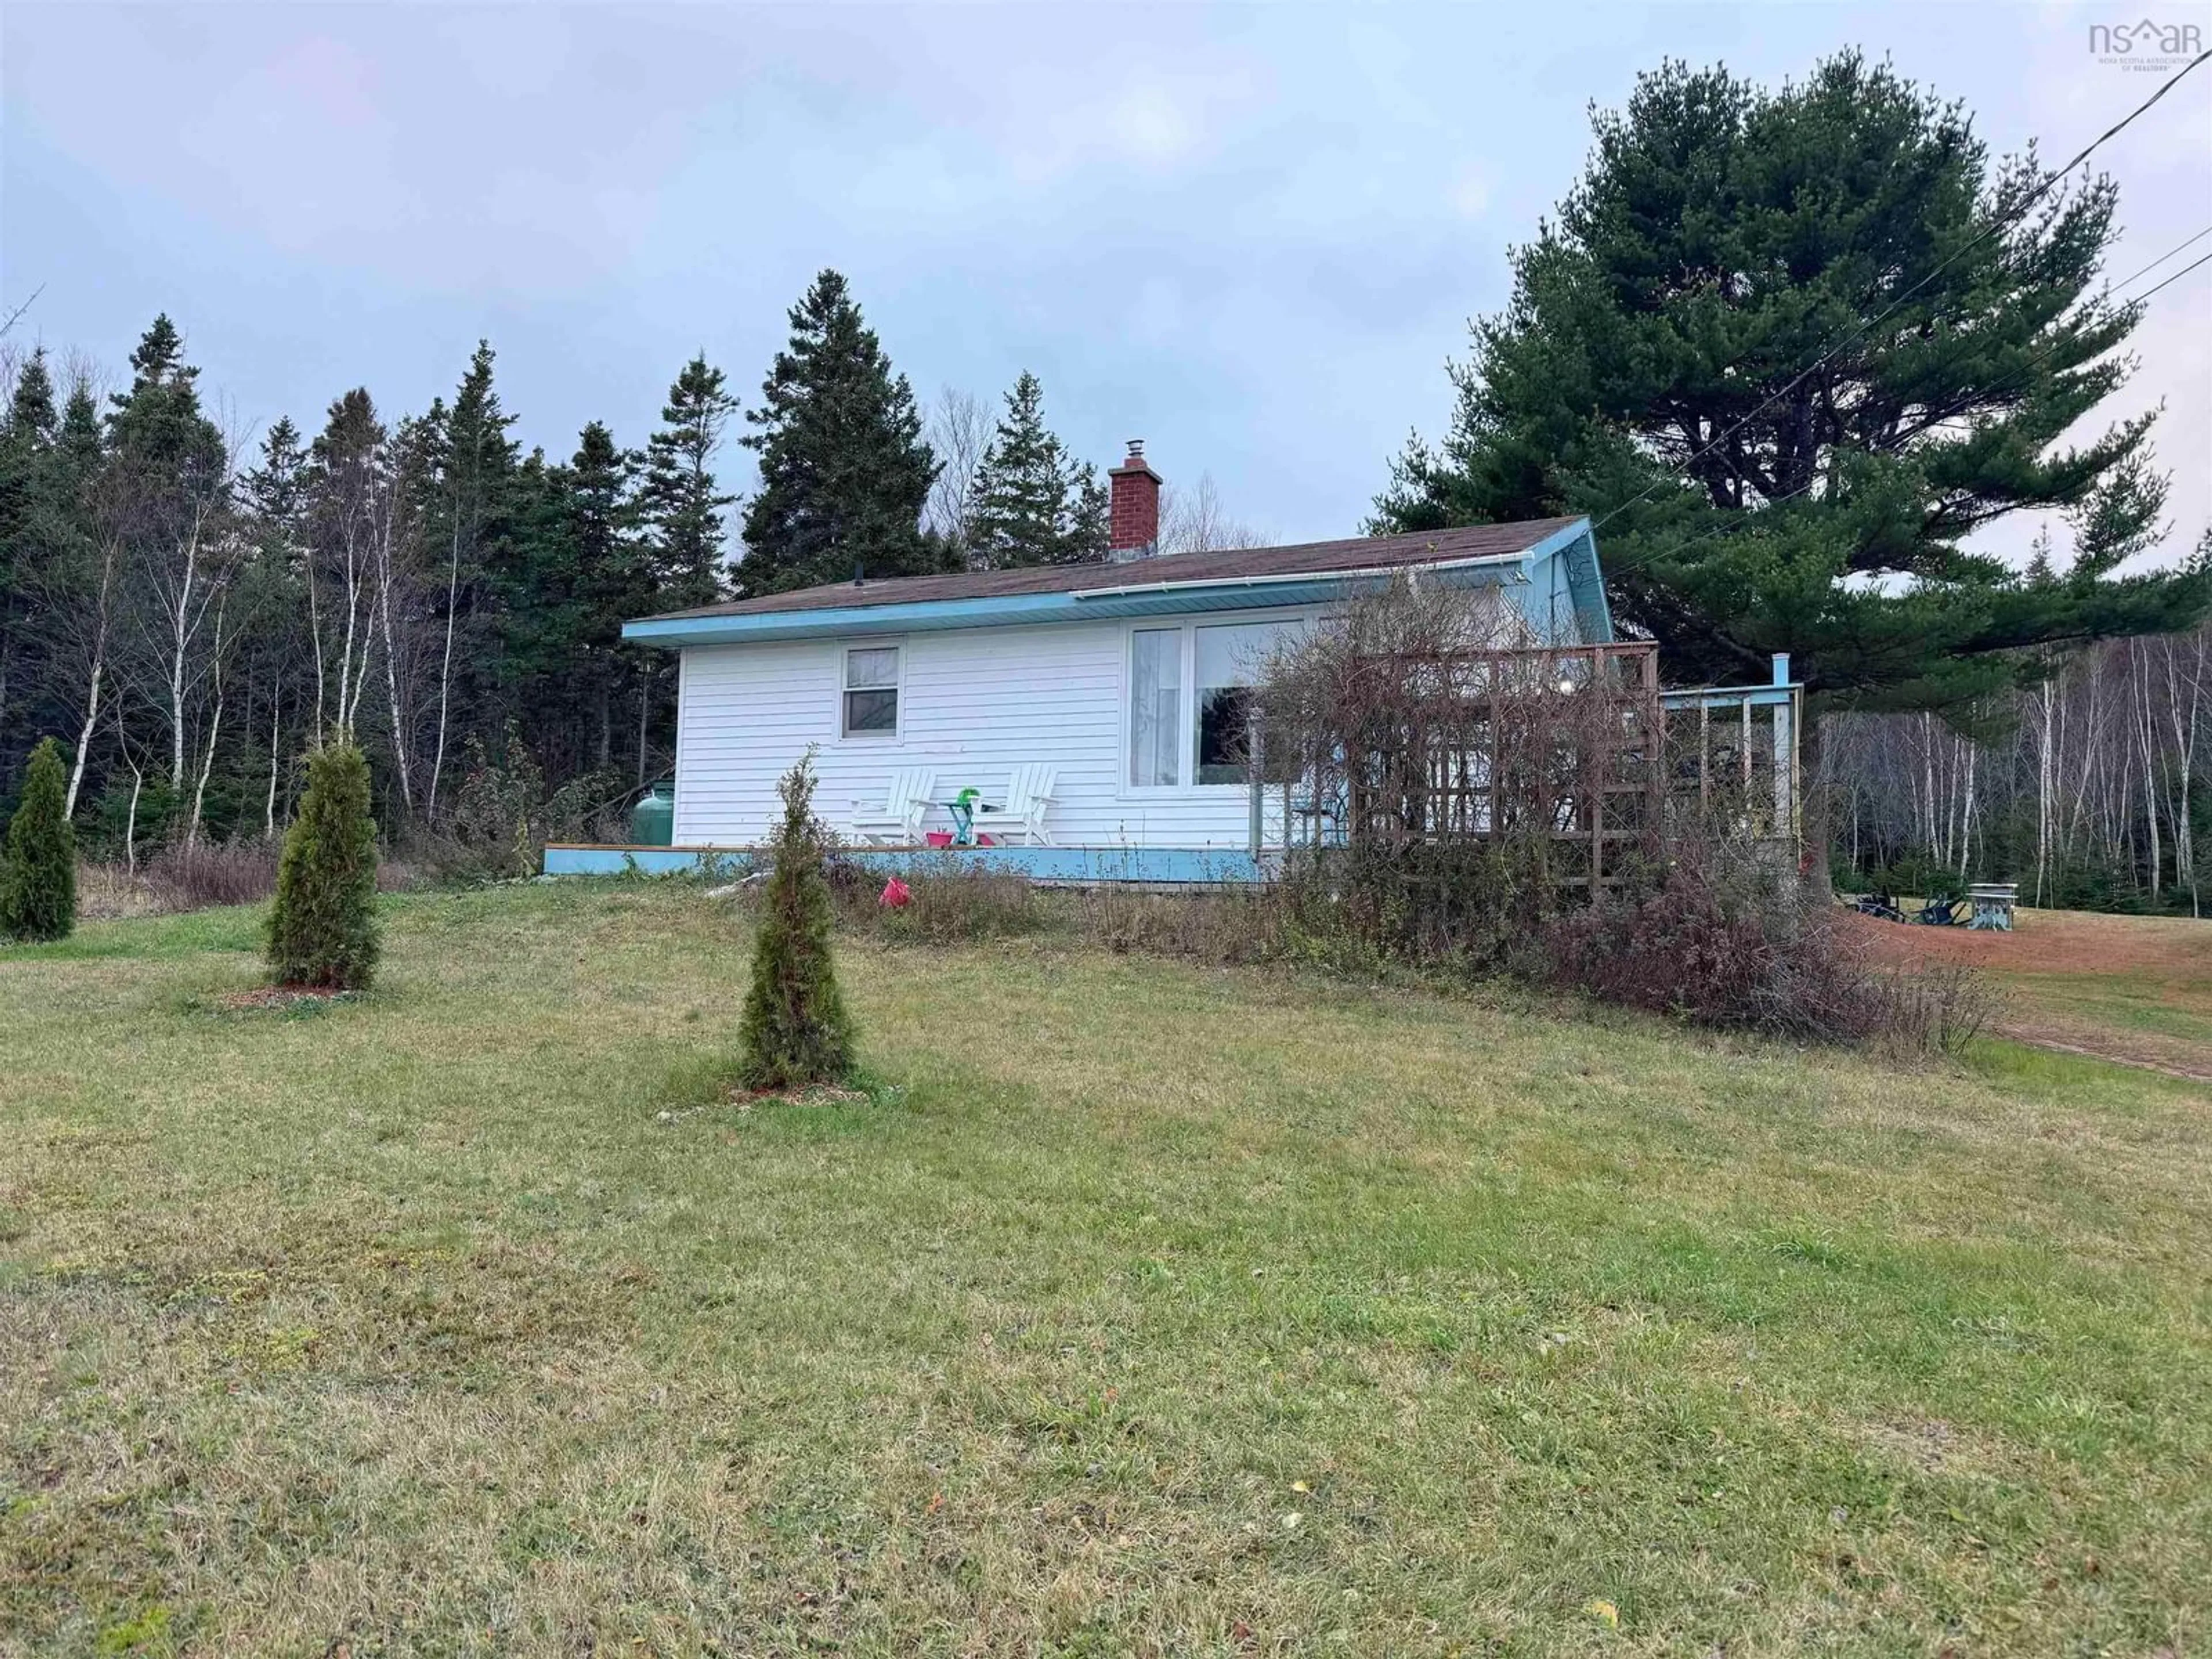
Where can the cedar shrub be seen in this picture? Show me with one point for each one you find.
(795, 1030)
(38, 872)
(322, 929)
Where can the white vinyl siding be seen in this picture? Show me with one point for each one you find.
(973, 705)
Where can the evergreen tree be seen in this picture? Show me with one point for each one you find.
(77, 447)
(26, 485)
(1088, 526)
(679, 497)
(795, 1030)
(575, 568)
(167, 486)
(1793, 347)
(38, 870)
(157, 427)
(322, 927)
(844, 472)
(275, 491)
(1032, 503)
(31, 410)
(465, 472)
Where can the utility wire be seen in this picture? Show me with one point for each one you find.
(2176, 277)
(1860, 333)
(2163, 257)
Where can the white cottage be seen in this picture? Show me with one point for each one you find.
(1115, 684)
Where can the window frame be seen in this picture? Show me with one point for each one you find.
(896, 688)
(1187, 626)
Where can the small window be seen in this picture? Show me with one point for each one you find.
(872, 691)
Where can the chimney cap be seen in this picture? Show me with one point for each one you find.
(1134, 461)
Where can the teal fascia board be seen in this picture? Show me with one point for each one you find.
(1019, 609)
(852, 619)
(1578, 545)
(1729, 697)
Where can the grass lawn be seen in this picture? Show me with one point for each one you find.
(1147, 1308)
(2133, 988)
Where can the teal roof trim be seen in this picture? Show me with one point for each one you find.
(1018, 610)
(1577, 546)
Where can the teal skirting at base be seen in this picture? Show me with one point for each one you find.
(1075, 866)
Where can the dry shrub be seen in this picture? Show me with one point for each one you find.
(111, 892)
(949, 901)
(195, 875)
(1937, 1009)
(1722, 937)
(502, 815)
(1226, 925)
(952, 901)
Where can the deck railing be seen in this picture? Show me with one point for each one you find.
(1577, 745)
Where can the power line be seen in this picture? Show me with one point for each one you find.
(2176, 277)
(2162, 258)
(2018, 213)
(2028, 367)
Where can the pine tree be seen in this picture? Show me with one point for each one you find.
(795, 1030)
(844, 472)
(1014, 512)
(322, 927)
(1032, 503)
(38, 870)
(1793, 348)
(679, 497)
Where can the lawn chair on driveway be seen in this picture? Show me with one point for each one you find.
(1029, 793)
(899, 823)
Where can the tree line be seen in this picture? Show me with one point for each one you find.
(2091, 785)
(190, 613)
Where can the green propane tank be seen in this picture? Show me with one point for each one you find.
(653, 820)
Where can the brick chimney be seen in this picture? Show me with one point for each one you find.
(1134, 522)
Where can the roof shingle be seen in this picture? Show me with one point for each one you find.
(1316, 558)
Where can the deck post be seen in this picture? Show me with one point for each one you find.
(1785, 768)
(1258, 774)
(1743, 752)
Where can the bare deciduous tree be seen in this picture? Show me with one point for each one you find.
(1194, 520)
(959, 432)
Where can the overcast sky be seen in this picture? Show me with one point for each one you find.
(1251, 235)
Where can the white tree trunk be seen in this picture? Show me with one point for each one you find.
(446, 666)
(275, 747)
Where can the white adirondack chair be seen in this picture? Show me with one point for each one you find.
(1029, 793)
(899, 823)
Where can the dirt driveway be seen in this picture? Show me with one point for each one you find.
(2136, 989)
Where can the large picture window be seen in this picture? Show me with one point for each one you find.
(1175, 741)
(872, 691)
(1230, 660)
(1155, 707)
